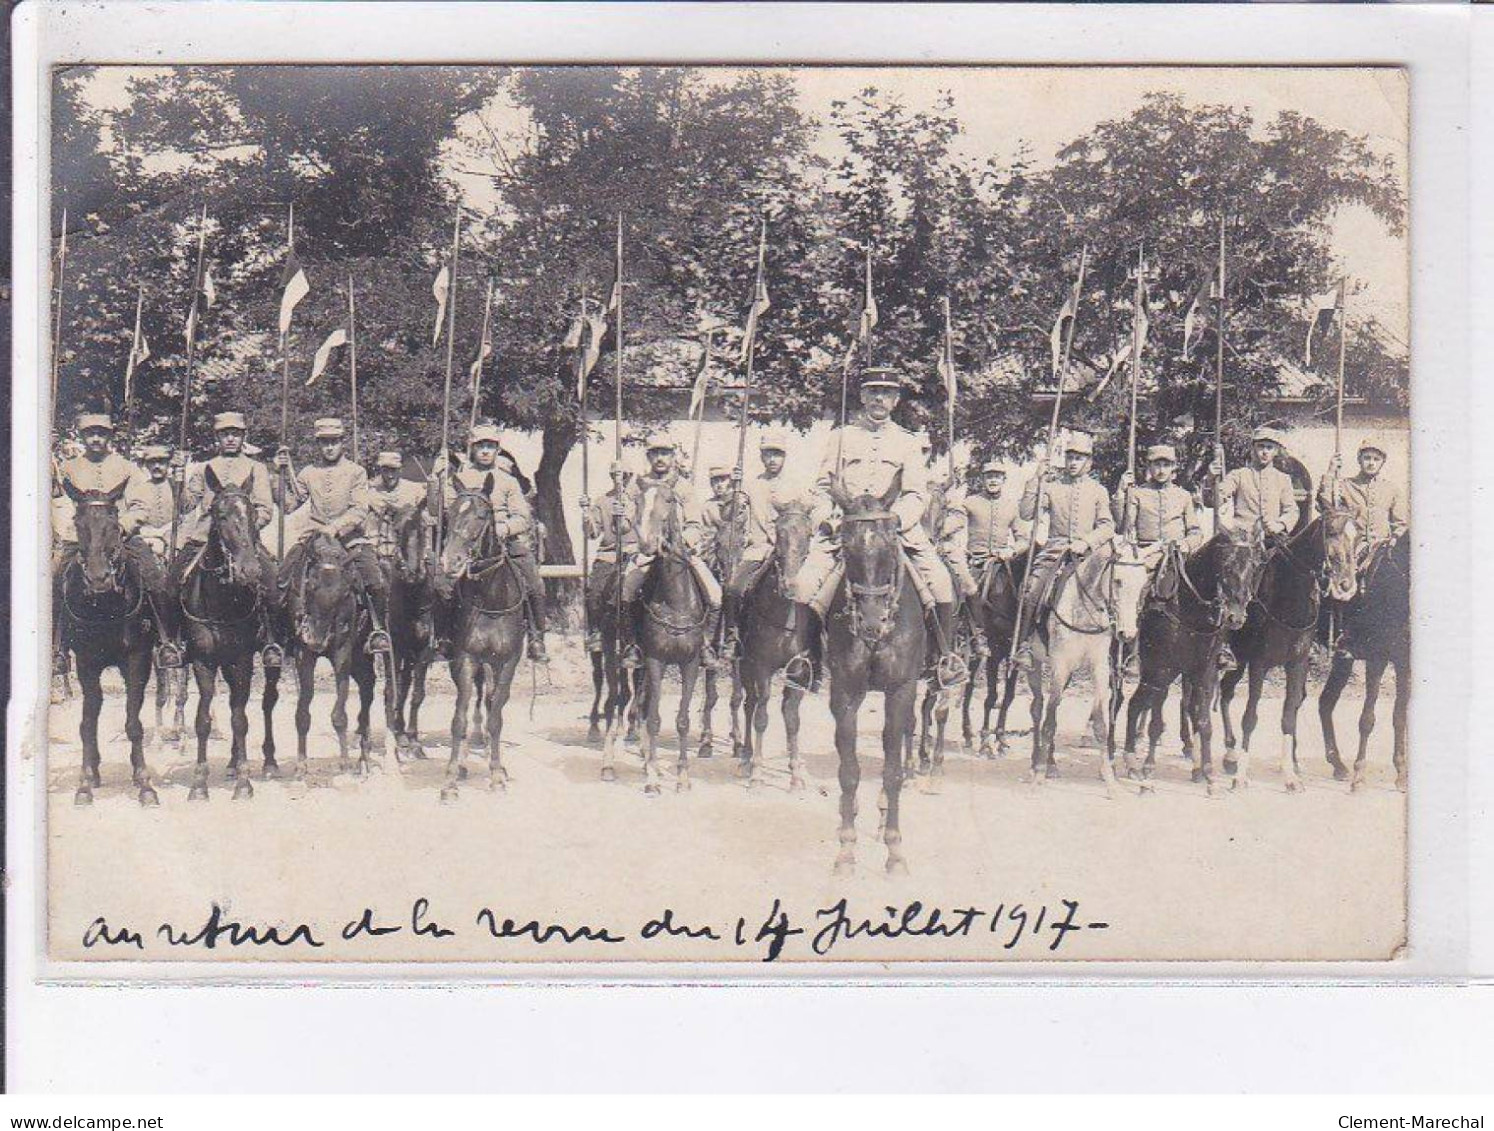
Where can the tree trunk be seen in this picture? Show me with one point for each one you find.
(558, 439)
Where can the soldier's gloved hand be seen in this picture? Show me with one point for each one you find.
(1127, 480)
(501, 528)
(585, 502)
(283, 459)
(1335, 464)
(1216, 469)
(1079, 549)
(440, 464)
(619, 509)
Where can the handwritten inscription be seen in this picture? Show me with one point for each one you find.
(767, 937)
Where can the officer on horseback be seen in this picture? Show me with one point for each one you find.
(513, 520)
(1077, 509)
(1158, 516)
(765, 492)
(333, 497)
(99, 468)
(232, 463)
(664, 476)
(599, 517)
(1377, 503)
(866, 455)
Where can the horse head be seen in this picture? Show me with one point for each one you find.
(1128, 578)
(232, 525)
(659, 528)
(100, 537)
(793, 531)
(1340, 553)
(327, 605)
(1239, 558)
(468, 525)
(870, 539)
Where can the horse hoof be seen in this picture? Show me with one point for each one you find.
(461, 773)
(498, 785)
(1002, 750)
(1240, 785)
(271, 771)
(609, 774)
(1340, 773)
(1146, 789)
(1293, 785)
(344, 765)
(744, 769)
(987, 750)
(94, 776)
(171, 737)
(897, 866)
(1230, 765)
(798, 785)
(417, 751)
(299, 773)
(449, 794)
(1400, 782)
(753, 781)
(594, 734)
(1196, 776)
(244, 790)
(845, 866)
(705, 751)
(149, 798)
(232, 773)
(1356, 785)
(197, 793)
(1051, 771)
(652, 790)
(683, 786)
(84, 796)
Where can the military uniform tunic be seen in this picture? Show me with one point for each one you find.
(995, 526)
(599, 528)
(1248, 495)
(1077, 510)
(1160, 512)
(106, 475)
(509, 504)
(1377, 504)
(390, 507)
(336, 497)
(197, 495)
(151, 504)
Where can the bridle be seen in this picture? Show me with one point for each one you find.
(1092, 600)
(117, 561)
(1318, 576)
(482, 566)
(303, 622)
(888, 595)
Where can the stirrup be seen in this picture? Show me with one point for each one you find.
(1228, 662)
(594, 640)
(536, 650)
(979, 646)
(60, 665)
(1023, 658)
(798, 673)
(378, 642)
(168, 655)
(708, 656)
(950, 671)
(632, 658)
(272, 656)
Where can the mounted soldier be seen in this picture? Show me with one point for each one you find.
(1076, 507)
(392, 499)
(719, 515)
(333, 501)
(948, 526)
(233, 462)
(1377, 502)
(599, 517)
(153, 499)
(867, 456)
(1160, 518)
(995, 531)
(766, 492)
(100, 469)
(512, 517)
(664, 477)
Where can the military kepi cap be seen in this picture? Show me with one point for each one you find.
(389, 459)
(154, 452)
(774, 440)
(1371, 444)
(658, 442)
(993, 466)
(1268, 434)
(880, 376)
(720, 471)
(485, 433)
(1161, 451)
(227, 420)
(328, 428)
(91, 421)
(1081, 443)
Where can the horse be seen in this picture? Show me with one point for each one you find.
(1279, 632)
(1095, 602)
(106, 621)
(1189, 605)
(876, 641)
(1375, 627)
(730, 537)
(615, 691)
(224, 595)
(490, 625)
(326, 622)
(670, 619)
(996, 606)
(778, 633)
(945, 668)
(412, 627)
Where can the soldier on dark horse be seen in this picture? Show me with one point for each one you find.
(1373, 622)
(604, 518)
(723, 520)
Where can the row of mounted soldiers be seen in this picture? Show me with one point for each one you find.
(951, 537)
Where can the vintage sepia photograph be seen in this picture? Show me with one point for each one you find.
(751, 516)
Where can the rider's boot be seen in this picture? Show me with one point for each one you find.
(950, 668)
(731, 640)
(169, 654)
(1227, 661)
(272, 656)
(378, 642)
(632, 655)
(536, 604)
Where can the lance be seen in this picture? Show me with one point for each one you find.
(1042, 471)
(1135, 383)
(710, 335)
(353, 362)
(949, 376)
(1343, 339)
(617, 442)
(290, 251)
(845, 372)
(187, 376)
(585, 460)
(1219, 366)
(57, 328)
(129, 382)
(737, 468)
(451, 294)
(482, 347)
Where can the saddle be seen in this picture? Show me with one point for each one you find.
(1169, 573)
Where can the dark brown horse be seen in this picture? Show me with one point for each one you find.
(877, 641)
(227, 593)
(1279, 632)
(490, 626)
(1375, 627)
(1190, 605)
(412, 627)
(670, 624)
(327, 622)
(106, 621)
(777, 634)
(996, 610)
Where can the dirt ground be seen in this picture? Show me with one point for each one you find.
(1016, 871)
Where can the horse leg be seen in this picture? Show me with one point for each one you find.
(1185, 725)
(479, 731)
(689, 672)
(941, 723)
(365, 674)
(503, 681)
(1333, 687)
(239, 675)
(617, 698)
(740, 717)
(792, 698)
(136, 670)
(88, 731)
(1374, 672)
(417, 697)
(1135, 709)
(898, 711)
(653, 692)
(1296, 691)
(638, 702)
(1200, 695)
(708, 708)
(1035, 687)
(268, 698)
(1239, 764)
(163, 693)
(598, 682)
(967, 733)
(1008, 694)
(461, 675)
(992, 697)
(1045, 764)
(1099, 711)
(1398, 717)
(342, 676)
(754, 696)
(305, 689)
(207, 679)
(925, 729)
(845, 707)
(1155, 725)
(1227, 684)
